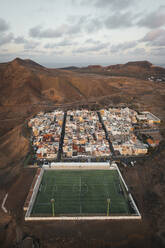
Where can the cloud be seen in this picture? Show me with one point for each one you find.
(95, 48)
(75, 2)
(123, 46)
(4, 50)
(137, 52)
(33, 51)
(93, 24)
(119, 20)
(86, 23)
(114, 4)
(6, 38)
(75, 25)
(3, 25)
(154, 34)
(28, 44)
(62, 43)
(38, 32)
(50, 45)
(20, 40)
(155, 19)
(155, 37)
(92, 41)
(64, 29)
(158, 52)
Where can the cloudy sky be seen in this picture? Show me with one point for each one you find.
(81, 32)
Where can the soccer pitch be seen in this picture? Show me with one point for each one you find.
(81, 193)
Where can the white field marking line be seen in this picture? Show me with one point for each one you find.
(34, 193)
(40, 187)
(54, 190)
(3, 203)
(124, 204)
(85, 184)
(80, 196)
(54, 180)
(119, 203)
(137, 210)
(84, 218)
(105, 183)
(45, 187)
(115, 189)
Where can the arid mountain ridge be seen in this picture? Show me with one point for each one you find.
(33, 82)
(27, 88)
(138, 69)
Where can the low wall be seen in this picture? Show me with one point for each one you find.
(121, 177)
(129, 194)
(77, 164)
(34, 194)
(84, 218)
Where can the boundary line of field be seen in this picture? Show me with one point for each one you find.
(34, 194)
(84, 166)
(136, 217)
(79, 165)
(129, 194)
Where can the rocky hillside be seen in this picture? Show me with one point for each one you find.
(34, 83)
(137, 69)
(26, 88)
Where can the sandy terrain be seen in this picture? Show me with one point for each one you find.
(25, 89)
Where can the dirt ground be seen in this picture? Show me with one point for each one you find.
(146, 180)
(147, 233)
(91, 233)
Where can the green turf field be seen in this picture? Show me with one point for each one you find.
(80, 192)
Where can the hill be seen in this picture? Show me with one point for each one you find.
(27, 88)
(34, 83)
(138, 69)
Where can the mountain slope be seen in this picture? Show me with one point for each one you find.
(34, 83)
(27, 88)
(137, 69)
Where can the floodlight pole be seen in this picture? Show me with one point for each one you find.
(53, 207)
(108, 206)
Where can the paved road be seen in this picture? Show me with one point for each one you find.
(106, 134)
(62, 137)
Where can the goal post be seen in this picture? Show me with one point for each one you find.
(108, 206)
(53, 206)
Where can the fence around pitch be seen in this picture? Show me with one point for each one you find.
(94, 165)
(68, 218)
(34, 194)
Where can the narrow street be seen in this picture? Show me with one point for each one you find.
(62, 137)
(106, 134)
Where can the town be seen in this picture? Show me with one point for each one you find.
(84, 135)
(46, 133)
(92, 135)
